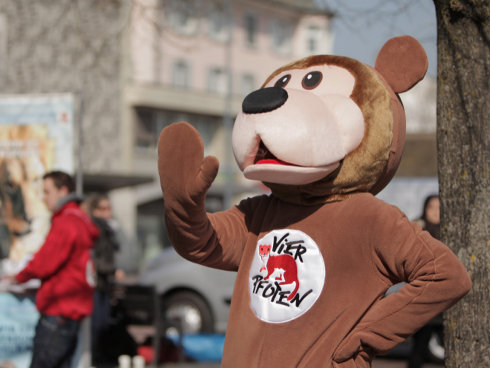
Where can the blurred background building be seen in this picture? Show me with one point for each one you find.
(136, 66)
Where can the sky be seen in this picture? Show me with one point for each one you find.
(361, 27)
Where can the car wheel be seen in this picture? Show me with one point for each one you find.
(189, 312)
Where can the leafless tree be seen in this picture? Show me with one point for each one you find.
(463, 29)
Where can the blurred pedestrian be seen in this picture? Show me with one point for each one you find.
(64, 266)
(431, 216)
(99, 207)
(429, 221)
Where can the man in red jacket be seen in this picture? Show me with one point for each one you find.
(64, 266)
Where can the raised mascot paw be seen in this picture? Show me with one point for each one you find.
(184, 172)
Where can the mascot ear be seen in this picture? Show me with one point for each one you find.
(402, 62)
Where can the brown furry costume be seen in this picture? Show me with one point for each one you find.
(315, 258)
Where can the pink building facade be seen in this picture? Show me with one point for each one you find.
(180, 56)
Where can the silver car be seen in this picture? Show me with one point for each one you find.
(196, 295)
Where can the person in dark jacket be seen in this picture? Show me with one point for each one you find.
(64, 266)
(105, 247)
(429, 221)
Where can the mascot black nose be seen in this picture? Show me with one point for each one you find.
(264, 100)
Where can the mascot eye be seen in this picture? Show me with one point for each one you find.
(311, 80)
(283, 81)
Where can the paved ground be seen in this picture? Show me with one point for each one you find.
(390, 363)
(139, 333)
(378, 363)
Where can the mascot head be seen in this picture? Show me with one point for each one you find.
(326, 126)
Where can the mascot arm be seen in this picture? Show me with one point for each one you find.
(211, 239)
(185, 177)
(435, 279)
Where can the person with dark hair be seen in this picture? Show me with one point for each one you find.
(99, 207)
(61, 179)
(64, 266)
(431, 216)
(429, 221)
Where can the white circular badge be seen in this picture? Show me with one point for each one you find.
(286, 277)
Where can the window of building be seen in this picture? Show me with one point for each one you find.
(146, 129)
(248, 84)
(3, 47)
(218, 81)
(150, 122)
(218, 21)
(150, 228)
(281, 33)
(251, 29)
(313, 39)
(181, 74)
(182, 15)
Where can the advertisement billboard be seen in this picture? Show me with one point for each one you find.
(36, 136)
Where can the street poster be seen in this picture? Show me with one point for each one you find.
(36, 136)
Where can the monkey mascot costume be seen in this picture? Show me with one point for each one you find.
(316, 256)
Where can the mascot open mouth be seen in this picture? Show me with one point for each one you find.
(264, 156)
(268, 168)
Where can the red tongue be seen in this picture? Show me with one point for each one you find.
(271, 161)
